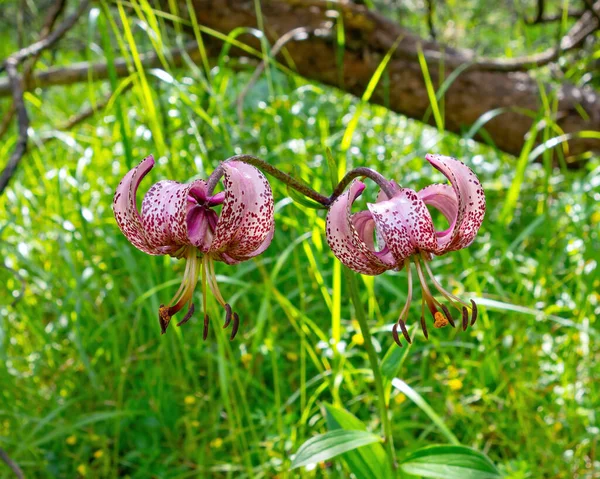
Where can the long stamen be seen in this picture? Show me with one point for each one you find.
(204, 303)
(473, 312)
(465, 318)
(439, 319)
(448, 315)
(395, 335)
(234, 328)
(402, 325)
(228, 314)
(184, 294)
(406, 308)
(212, 282)
(190, 280)
(214, 287)
(187, 316)
(423, 324)
(449, 296)
(205, 330)
(183, 285)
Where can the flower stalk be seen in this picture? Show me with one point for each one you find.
(361, 317)
(299, 186)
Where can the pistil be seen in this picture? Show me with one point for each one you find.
(440, 319)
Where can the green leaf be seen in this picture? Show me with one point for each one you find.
(368, 462)
(415, 397)
(393, 360)
(332, 167)
(333, 443)
(449, 462)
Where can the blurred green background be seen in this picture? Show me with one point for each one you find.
(88, 386)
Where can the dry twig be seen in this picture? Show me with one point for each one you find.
(10, 65)
(12, 464)
(51, 18)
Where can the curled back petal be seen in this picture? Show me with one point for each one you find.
(346, 242)
(470, 200)
(246, 220)
(165, 214)
(365, 226)
(232, 258)
(405, 224)
(125, 207)
(443, 198)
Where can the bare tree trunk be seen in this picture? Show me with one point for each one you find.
(481, 88)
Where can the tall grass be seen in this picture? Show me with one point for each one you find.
(88, 386)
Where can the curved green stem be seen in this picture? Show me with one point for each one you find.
(364, 328)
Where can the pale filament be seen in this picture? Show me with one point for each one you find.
(430, 300)
(405, 309)
(212, 282)
(188, 264)
(190, 279)
(449, 296)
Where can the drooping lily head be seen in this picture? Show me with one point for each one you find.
(181, 220)
(397, 230)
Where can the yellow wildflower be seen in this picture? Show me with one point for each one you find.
(455, 384)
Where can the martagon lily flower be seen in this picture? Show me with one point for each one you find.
(180, 220)
(405, 235)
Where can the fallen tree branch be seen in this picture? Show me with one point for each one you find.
(369, 36)
(541, 18)
(84, 71)
(51, 39)
(85, 114)
(593, 8)
(485, 86)
(587, 24)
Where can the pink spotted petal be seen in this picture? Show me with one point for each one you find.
(165, 214)
(246, 221)
(365, 226)
(470, 199)
(125, 207)
(443, 198)
(345, 240)
(234, 259)
(405, 224)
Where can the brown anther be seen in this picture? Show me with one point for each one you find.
(395, 335)
(227, 315)
(164, 318)
(236, 325)
(187, 316)
(424, 327)
(439, 320)
(448, 315)
(404, 331)
(473, 312)
(205, 330)
(465, 318)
